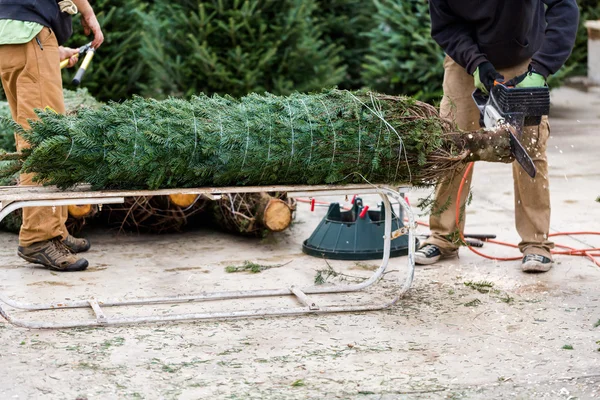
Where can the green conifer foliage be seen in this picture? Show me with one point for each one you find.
(590, 10)
(236, 47)
(332, 137)
(404, 59)
(577, 63)
(7, 142)
(74, 100)
(7, 134)
(345, 23)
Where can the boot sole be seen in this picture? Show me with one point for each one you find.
(537, 267)
(433, 260)
(426, 261)
(77, 251)
(80, 265)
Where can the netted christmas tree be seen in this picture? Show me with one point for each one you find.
(403, 57)
(327, 138)
(235, 47)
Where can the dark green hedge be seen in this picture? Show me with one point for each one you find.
(403, 59)
(236, 47)
(181, 47)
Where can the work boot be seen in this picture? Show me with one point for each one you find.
(54, 255)
(76, 245)
(536, 263)
(430, 254)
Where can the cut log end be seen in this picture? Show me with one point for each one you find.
(82, 211)
(277, 215)
(183, 200)
(491, 146)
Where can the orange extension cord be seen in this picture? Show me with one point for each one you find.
(590, 253)
(569, 251)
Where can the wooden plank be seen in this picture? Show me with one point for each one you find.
(100, 317)
(17, 193)
(304, 299)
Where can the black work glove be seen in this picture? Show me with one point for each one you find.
(485, 76)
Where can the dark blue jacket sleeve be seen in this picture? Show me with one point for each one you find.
(562, 19)
(454, 36)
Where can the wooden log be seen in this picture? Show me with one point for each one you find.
(82, 211)
(275, 214)
(253, 214)
(491, 146)
(183, 200)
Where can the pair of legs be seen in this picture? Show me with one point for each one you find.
(532, 195)
(31, 79)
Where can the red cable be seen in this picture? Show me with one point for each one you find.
(590, 253)
(571, 251)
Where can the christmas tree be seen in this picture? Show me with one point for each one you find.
(331, 137)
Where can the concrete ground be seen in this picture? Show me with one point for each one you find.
(524, 337)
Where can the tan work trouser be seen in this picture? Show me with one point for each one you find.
(31, 80)
(532, 196)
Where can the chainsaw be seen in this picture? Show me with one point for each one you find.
(513, 108)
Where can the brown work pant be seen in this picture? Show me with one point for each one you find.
(31, 80)
(532, 196)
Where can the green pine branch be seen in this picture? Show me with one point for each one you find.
(332, 137)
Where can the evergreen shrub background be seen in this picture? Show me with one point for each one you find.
(403, 58)
(236, 47)
(182, 47)
(7, 134)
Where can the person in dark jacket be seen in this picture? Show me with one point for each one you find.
(31, 36)
(521, 41)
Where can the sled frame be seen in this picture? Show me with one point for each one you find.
(13, 198)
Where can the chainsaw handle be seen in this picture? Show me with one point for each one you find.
(480, 99)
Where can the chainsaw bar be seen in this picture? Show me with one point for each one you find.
(520, 154)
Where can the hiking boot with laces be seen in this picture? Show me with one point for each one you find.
(76, 245)
(54, 255)
(536, 263)
(430, 254)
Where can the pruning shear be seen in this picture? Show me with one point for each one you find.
(89, 52)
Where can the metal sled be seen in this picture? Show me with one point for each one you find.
(13, 198)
